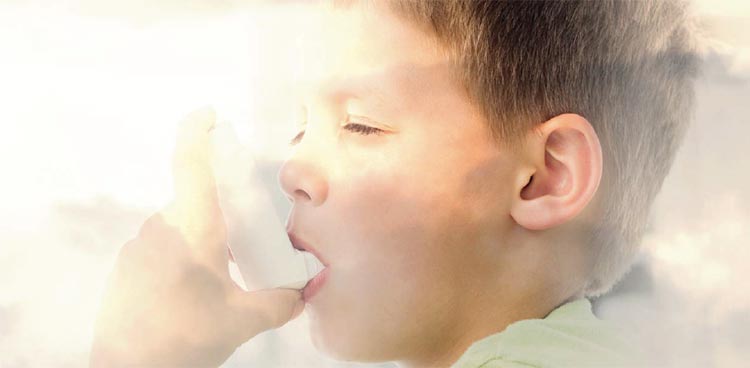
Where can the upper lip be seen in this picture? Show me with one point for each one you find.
(299, 244)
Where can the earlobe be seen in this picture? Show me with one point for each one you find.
(565, 157)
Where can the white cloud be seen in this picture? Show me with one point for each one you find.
(91, 95)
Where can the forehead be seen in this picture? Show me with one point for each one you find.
(363, 49)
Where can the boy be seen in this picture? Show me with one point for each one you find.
(469, 172)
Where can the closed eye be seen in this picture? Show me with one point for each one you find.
(352, 127)
(362, 129)
(297, 138)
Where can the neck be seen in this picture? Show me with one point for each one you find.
(490, 308)
(494, 319)
(501, 295)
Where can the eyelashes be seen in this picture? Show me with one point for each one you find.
(352, 127)
(297, 138)
(362, 129)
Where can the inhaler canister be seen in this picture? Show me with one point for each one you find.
(259, 243)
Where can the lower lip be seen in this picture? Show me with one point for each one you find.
(314, 285)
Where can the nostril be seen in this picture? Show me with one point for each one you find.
(303, 181)
(301, 193)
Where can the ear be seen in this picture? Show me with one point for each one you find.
(562, 167)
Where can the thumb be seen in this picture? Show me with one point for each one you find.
(263, 310)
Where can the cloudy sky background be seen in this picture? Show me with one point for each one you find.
(92, 91)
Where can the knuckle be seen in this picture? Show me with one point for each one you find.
(155, 237)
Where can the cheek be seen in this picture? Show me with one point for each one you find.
(403, 241)
(388, 220)
(407, 216)
(400, 234)
(396, 209)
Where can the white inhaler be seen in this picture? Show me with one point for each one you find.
(259, 243)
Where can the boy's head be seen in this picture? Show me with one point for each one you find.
(466, 164)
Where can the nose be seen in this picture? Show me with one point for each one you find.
(303, 176)
(303, 181)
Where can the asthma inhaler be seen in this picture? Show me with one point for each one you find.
(259, 243)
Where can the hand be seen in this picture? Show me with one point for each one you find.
(170, 301)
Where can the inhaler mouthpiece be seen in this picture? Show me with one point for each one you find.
(259, 243)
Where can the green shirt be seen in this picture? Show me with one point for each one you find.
(570, 336)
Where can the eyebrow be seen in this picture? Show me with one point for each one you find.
(394, 91)
(357, 88)
(392, 101)
(344, 91)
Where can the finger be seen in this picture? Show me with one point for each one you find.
(226, 159)
(263, 310)
(194, 185)
(196, 201)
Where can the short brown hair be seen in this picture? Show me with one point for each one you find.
(626, 66)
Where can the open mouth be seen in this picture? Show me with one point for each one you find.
(314, 285)
(302, 245)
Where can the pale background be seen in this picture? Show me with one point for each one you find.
(91, 93)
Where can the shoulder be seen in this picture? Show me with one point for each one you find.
(570, 336)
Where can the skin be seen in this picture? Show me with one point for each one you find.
(436, 235)
(170, 301)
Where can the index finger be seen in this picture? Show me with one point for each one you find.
(196, 200)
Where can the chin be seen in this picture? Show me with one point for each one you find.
(347, 344)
